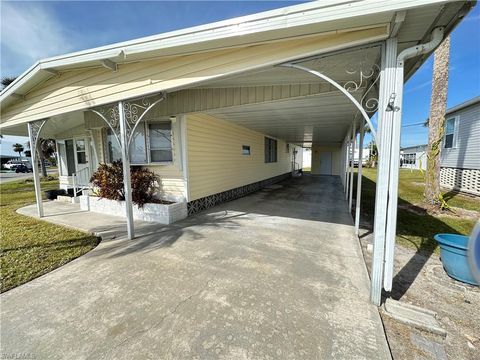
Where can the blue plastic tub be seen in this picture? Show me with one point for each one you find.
(453, 253)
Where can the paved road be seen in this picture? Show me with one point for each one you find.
(278, 274)
(12, 176)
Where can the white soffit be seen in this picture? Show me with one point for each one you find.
(319, 119)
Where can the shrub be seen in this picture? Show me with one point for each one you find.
(108, 183)
(144, 185)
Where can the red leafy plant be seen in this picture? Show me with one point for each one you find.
(108, 183)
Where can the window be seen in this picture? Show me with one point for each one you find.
(113, 152)
(409, 159)
(81, 154)
(151, 143)
(450, 130)
(270, 150)
(245, 150)
(160, 137)
(138, 146)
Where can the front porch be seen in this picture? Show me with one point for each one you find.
(275, 274)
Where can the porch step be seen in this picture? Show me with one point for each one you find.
(67, 199)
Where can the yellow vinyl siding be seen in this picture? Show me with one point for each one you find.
(215, 160)
(85, 88)
(171, 183)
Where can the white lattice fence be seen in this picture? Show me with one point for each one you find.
(467, 180)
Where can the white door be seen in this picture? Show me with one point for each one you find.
(325, 163)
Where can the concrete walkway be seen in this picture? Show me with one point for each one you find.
(278, 274)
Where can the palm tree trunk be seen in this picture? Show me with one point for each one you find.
(42, 163)
(436, 124)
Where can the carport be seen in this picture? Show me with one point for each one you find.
(312, 75)
(276, 274)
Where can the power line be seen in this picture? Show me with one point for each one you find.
(414, 124)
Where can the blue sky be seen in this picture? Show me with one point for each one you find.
(34, 30)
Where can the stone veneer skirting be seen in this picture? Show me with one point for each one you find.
(466, 180)
(232, 194)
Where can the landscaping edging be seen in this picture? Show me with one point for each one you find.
(159, 213)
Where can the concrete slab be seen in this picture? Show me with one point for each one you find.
(415, 316)
(275, 275)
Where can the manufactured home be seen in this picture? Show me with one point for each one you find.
(220, 110)
(414, 157)
(460, 154)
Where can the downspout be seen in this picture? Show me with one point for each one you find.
(395, 105)
(437, 37)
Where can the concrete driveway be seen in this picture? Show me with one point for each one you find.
(278, 274)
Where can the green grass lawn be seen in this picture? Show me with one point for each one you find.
(417, 229)
(31, 247)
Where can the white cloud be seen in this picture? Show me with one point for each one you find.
(29, 32)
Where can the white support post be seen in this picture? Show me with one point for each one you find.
(385, 117)
(391, 228)
(347, 167)
(359, 178)
(344, 164)
(36, 175)
(352, 160)
(126, 170)
(396, 112)
(74, 184)
(34, 129)
(347, 163)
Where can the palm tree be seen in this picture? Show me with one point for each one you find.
(7, 80)
(436, 125)
(46, 149)
(18, 148)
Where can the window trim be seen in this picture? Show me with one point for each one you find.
(455, 132)
(270, 157)
(246, 148)
(147, 140)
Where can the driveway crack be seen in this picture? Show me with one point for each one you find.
(160, 322)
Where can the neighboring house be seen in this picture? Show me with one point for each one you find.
(460, 154)
(414, 157)
(365, 155)
(6, 158)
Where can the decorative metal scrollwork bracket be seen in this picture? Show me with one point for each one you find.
(339, 87)
(34, 129)
(134, 111)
